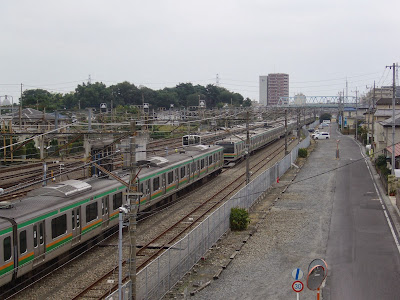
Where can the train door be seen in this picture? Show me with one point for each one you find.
(176, 171)
(105, 211)
(76, 225)
(193, 170)
(148, 190)
(164, 183)
(39, 242)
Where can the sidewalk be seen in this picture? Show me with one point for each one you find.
(389, 201)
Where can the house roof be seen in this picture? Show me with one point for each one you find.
(396, 149)
(389, 122)
(349, 109)
(33, 114)
(387, 101)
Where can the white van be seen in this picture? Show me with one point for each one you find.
(323, 136)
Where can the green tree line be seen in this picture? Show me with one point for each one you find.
(125, 94)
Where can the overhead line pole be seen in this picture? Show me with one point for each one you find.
(393, 115)
(132, 198)
(286, 133)
(247, 150)
(373, 122)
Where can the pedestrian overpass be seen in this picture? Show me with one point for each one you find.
(318, 101)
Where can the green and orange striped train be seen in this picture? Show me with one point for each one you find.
(53, 220)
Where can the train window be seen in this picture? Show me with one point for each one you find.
(78, 211)
(91, 212)
(198, 165)
(202, 164)
(35, 236)
(188, 170)
(7, 248)
(58, 227)
(170, 177)
(193, 167)
(41, 234)
(104, 205)
(22, 242)
(182, 172)
(141, 188)
(156, 184)
(148, 187)
(229, 148)
(209, 160)
(117, 201)
(73, 220)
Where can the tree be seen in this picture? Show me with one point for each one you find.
(325, 116)
(212, 95)
(247, 102)
(92, 95)
(125, 93)
(39, 99)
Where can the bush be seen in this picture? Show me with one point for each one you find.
(239, 219)
(302, 152)
(381, 161)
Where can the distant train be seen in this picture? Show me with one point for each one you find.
(52, 220)
(235, 147)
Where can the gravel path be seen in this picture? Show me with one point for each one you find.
(288, 230)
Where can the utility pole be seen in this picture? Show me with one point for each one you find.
(393, 115)
(369, 116)
(298, 126)
(132, 200)
(356, 115)
(286, 150)
(340, 112)
(20, 111)
(247, 150)
(373, 122)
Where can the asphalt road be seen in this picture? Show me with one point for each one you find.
(362, 252)
(333, 211)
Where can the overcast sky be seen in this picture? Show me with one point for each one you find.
(55, 45)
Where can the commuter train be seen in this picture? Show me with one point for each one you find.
(52, 220)
(235, 147)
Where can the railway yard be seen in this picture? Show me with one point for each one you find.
(90, 270)
(93, 274)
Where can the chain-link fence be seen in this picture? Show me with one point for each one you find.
(154, 281)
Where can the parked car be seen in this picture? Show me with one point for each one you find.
(316, 132)
(323, 136)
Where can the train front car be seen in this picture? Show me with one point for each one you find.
(234, 150)
(52, 220)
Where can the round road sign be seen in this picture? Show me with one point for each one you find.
(297, 274)
(297, 286)
(315, 277)
(319, 262)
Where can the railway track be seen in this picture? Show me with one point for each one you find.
(154, 247)
(9, 181)
(70, 281)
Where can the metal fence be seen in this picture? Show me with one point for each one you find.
(154, 281)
